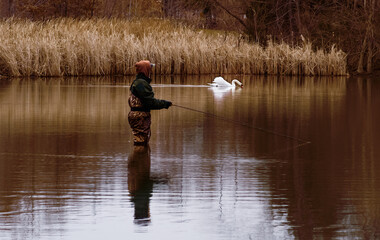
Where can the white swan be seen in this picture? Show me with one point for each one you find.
(220, 82)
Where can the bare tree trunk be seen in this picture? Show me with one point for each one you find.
(66, 8)
(93, 8)
(166, 8)
(7, 8)
(255, 24)
(369, 57)
(11, 8)
(130, 7)
(371, 35)
(367, 45)
(278, 17)
(361, 58)
(4, 8)
(290, 17)
(301, 29)
(112, 8)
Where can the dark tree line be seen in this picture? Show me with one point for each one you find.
(352, 25)
(45, 9)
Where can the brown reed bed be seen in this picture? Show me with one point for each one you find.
(71, 47)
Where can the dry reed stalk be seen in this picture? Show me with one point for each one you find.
(112, 46)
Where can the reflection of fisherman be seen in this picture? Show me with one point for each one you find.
(139, 183)
(141, 102)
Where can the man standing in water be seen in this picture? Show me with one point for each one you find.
(141, 102)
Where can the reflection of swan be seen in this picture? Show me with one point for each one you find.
(220, 82)
(223, 92)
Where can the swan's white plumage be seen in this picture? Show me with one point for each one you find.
(221, 82)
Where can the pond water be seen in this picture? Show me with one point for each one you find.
(282, 158)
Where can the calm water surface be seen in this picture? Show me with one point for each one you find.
(68, 168)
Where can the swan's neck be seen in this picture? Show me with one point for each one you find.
(236, 82)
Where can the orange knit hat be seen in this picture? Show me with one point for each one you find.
(144, 66)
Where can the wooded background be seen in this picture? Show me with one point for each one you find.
(351, 25)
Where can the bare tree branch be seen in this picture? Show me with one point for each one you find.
(230, 13)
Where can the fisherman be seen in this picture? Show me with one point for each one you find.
(141, 102)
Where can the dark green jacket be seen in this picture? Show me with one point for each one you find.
(141, 88)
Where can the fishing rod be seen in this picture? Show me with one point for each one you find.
(299, 140)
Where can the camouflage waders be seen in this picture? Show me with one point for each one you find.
(139, 119)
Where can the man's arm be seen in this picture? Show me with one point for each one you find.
(144, 91)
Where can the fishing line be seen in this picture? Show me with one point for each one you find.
(301, 142)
